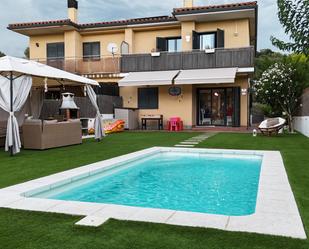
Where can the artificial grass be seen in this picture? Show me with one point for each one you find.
(33, 230)
(30, 164)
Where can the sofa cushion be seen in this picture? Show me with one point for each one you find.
(55, 121)
(33, 121)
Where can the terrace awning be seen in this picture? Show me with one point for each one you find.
(154, 78)
(206, 76)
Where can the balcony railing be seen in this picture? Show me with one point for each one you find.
(197, 59)
(85, 66)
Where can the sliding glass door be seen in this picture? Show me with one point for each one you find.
(218, 107)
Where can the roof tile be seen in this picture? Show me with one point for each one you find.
(211, 7)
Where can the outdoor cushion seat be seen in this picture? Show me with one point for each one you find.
(45, 135)
(272, 126)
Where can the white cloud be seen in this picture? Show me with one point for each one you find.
(98, 10)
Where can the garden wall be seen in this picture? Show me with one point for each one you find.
(301, 121)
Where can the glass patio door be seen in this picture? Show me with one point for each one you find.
(218, 107)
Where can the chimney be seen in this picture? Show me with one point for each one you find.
(73, 10)
(187, 3)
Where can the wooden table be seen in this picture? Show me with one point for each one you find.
(159, 119)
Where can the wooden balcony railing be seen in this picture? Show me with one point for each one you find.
(85, 66)
(197, 59)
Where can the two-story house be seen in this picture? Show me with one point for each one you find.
(195, 63)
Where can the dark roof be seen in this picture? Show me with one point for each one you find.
(212, 8)
(42, 24)
(145, 20)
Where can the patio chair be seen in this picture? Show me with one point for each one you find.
(272, 126)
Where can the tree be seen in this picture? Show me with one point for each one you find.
(280, 89)
(27, 53)
(294, 16)
(264, 59)
(1, 54)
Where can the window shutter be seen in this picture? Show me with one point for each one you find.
(195, 40)
(96, 49)
(148, 98)
(55, 50)
(51, 51)
(236, 113)
(220, 38)
(161, 44)
(86, 50)
(60, 50)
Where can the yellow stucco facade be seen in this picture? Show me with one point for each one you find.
(143, 39)
(185, 105)
(140, 39)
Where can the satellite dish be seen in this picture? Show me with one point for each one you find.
(112, 48)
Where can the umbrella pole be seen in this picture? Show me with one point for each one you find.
(11, 99)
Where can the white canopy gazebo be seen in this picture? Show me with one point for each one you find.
(16, 80)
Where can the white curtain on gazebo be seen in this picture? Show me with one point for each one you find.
(98, 126)
(21, 89)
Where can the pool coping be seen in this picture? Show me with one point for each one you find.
(276, 209)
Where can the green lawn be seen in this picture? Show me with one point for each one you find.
(33, 230)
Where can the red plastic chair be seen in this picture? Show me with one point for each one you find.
(175, 124)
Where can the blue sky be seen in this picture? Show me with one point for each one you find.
(104, 10)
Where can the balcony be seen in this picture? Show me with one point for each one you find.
(85, 66)
(235, 57)
(197, 59)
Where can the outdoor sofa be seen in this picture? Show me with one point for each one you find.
(41, 135)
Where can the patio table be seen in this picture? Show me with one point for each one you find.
(159, 119)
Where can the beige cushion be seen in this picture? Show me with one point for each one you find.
(33, 121)
(55, 121)
(74, 120)
(272, 122)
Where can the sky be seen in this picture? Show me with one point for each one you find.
(14, 11)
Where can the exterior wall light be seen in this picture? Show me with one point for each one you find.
(188, 38)
(244, 91)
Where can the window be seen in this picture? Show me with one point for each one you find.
(207, 41)
(148, 98)
(170, 44)
(91, 50)
(174, 45)
(55, 50)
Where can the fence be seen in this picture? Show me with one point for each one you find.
(105, 103)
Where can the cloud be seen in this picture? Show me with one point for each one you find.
(97, 10)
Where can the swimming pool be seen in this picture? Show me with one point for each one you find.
(195, 182)
(208, 182)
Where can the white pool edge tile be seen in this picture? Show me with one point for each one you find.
(270, 212)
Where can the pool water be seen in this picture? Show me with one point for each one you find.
(195, 182)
